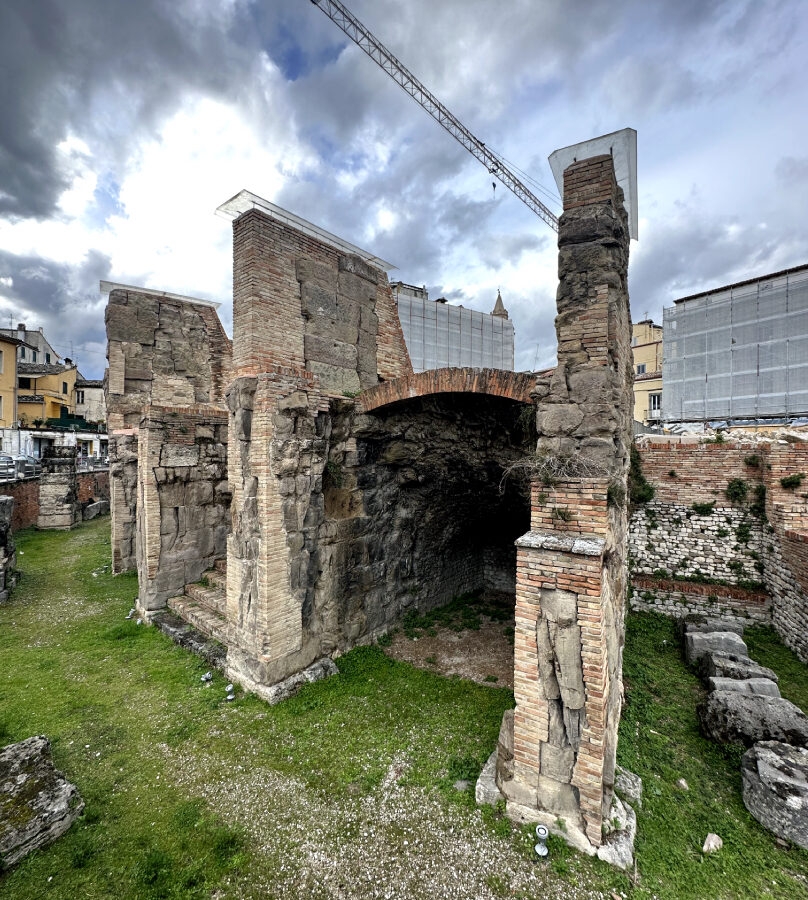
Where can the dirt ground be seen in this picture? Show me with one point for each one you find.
(484, 655)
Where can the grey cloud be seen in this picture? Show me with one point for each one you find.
(63, 299)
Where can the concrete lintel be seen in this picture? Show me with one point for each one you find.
(572, 543)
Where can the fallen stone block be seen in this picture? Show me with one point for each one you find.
(699, 644)
(762, 686)
(739, 718)
(730, 665)
(99, 508)
(775, 789)
(37, 804)
(696, 624)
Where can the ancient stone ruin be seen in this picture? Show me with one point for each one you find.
(295, 499)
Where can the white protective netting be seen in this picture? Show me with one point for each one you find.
(741, 353)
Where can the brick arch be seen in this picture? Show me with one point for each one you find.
(493, 382)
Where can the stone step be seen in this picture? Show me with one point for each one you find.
(217, 579)
(211, 596)
(221, 566)
(206, 619)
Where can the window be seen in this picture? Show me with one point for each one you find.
(24, 383)
(33, 356)
(1, 360)
(634, 341)
(22, 352)
(64, 387)
(47, 357)
(79, 396)
(655, 401)
(641, 368)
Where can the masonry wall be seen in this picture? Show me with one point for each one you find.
(58, 489)
(571, 565)
(748, 558)
(161, 351)
(8, 554)
(183, 508)
(25, 494)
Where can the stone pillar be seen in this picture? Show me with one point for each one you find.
(183, 504)
(123, 500)
(558, 763)
(276, 454)
(58, 490)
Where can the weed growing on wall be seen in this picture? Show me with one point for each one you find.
(792, 481)
(736, 490)
(640, 490)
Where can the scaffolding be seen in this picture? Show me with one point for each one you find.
(440, 335)
(738, 353)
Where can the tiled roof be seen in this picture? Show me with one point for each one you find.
(30, 368)
(89, 382)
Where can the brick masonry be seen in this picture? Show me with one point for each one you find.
(571, 566)
(734, 543)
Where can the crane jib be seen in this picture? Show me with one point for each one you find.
(373, 47)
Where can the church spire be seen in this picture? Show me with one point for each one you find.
(499, 307)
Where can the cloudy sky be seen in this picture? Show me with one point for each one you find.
(125, 123)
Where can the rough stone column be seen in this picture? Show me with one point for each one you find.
(123, 500)
(277, 454)
(58, 489)
(8, 554)
(558, 762)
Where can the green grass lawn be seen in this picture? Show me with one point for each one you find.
(190, 796)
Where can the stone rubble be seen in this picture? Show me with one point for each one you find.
(775, 789)
(37, 804)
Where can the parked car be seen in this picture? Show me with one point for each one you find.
(8, 468)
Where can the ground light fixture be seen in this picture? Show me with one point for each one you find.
(541, 848)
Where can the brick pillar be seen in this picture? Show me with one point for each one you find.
(58, 489)
(267, 318)
(571, 568)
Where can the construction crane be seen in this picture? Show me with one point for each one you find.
(356, 31)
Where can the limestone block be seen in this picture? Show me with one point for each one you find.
(557, 762)
(179, 455)
(37, 804)
(775, 789)
(318, 301)
(559, 419)
(699, 644)
(740, 718)
(486, 790)
(617, 848)
(705, 625)
(335, 379)
(730, 665)
(308, 269)
(555, 797)
(356, 266)
(335, 353)
(746, 686)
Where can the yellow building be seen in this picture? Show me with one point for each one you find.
(646, 345)
(44, 392)
(8, 381)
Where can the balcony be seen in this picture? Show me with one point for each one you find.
(653, 415)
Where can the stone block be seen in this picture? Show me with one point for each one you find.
(179, 455)
(700, 644)
(746, 686)
(740, 718)
(335, 353)
(730, 665)
(37, 804)
(357, 266)
(775, 789)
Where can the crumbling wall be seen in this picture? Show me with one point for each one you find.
(161, 350)
(58, 489)
(571, 566)
(183, 507)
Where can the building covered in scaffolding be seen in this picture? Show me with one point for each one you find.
(738, 353)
